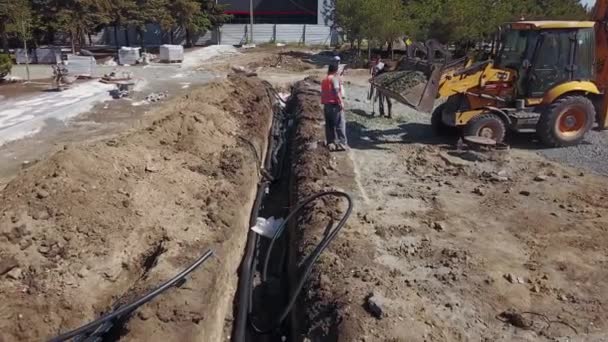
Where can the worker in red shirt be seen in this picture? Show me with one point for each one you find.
(333, 103)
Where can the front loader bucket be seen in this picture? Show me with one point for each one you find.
(416, 81)
(416, 87)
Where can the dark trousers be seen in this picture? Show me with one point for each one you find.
(335, 125)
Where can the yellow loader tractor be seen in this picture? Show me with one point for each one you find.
(548, 77)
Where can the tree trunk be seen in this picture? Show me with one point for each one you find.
(127, 35)
(116, 35)
(27, 62)
(188, 38)
(359, 46)
(72, 38)
(4, 37)
(171, 36)
(140, 37)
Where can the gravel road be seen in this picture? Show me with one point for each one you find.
(591, 155)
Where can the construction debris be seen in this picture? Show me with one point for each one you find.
(156, 97)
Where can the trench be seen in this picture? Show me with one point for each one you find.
(274, 270)
(258, 302)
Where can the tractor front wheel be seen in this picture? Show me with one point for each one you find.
(439, 127)
(566, 121)
(487, 125)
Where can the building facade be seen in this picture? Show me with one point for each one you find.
(311, 12)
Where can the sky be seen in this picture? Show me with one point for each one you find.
(588, 2)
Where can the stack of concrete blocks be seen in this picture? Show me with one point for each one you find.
(171, 53)
(83, 66)
(128, 55)
(20, 56)
(48, 55)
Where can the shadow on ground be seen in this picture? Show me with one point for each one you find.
(362, 138)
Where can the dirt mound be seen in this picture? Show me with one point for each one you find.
(288, 61)
(95, 223)
(317, 314)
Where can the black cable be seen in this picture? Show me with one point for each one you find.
(327, 239)
(126, 309)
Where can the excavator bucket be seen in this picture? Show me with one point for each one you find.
(416, 80)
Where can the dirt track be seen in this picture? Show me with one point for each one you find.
(94, 223)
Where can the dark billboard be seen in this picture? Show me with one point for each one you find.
(272, 7)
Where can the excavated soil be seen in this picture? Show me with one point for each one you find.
(99, 224)
(447, 244)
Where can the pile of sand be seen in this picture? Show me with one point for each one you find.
(95, 223)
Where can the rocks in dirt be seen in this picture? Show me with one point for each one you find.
(514, 279)
(374, 305)
(479, 191)
(515, 319)
(157, 97)
(525, 193)
(438, 226)
(15, 273)
(540, 178)
(41, 215)
(42, 194)
(7, 264)
(16, 233)
(152, 168)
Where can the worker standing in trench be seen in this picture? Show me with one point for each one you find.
(333, 103)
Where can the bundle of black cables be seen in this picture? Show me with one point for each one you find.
(310, 260)
(102, 324)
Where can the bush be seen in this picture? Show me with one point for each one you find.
(5, 65)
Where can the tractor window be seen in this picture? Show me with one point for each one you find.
(514, 44)
(551, 63)
(585, 55)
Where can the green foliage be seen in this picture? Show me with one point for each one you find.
(5, 65)
(445, 20)
(470, 20)
(20, 19)
(79, 18)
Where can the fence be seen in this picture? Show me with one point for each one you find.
(237, 34)
(231, 34)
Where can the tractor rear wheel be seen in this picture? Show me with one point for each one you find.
(566, 121)
(487, 125)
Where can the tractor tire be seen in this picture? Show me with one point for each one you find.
(440, 128)
(487, 125)
(566, 121)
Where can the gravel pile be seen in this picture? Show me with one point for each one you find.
(591, 154)
(400, 81)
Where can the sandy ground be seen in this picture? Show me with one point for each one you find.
(44, 121)
(97, 224)
(445, 244)
(445, 241)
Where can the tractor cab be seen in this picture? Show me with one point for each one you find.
(543, 54)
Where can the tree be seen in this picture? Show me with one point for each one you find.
(4, 19)
(122, 13)
(81, 17)
(20, 23)
(388, 23)
(152, 12)
(188, 16)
